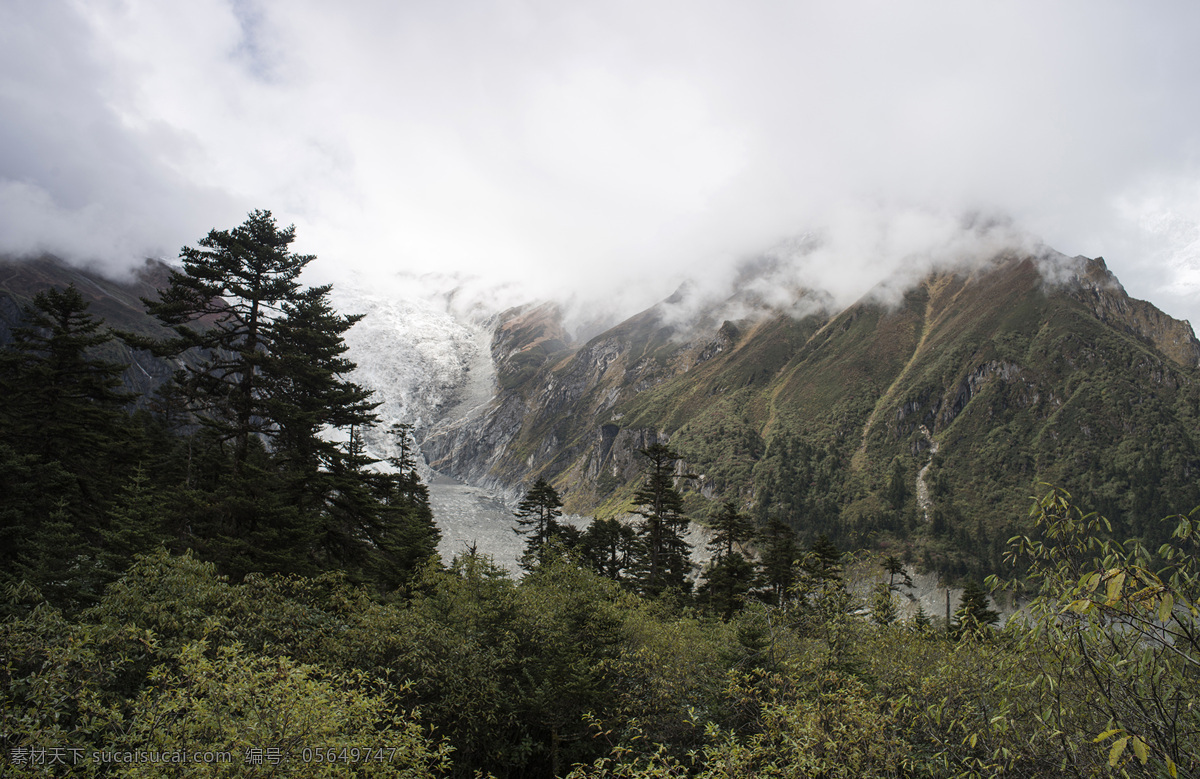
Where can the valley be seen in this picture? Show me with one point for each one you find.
(851, 476)
(919, 427)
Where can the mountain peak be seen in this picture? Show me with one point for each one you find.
(967, 387)
(1097, 288)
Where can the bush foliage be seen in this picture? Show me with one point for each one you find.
(565, 672)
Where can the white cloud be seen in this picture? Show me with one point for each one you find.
(608, 148)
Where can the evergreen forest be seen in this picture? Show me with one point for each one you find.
(219, 580)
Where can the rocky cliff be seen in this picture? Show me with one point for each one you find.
(1096, 286)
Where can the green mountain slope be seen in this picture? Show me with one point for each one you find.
(921, 427)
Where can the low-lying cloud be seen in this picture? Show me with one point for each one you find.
(866, 252)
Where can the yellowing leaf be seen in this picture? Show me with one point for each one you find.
(1115, 585)
(1139, 748)
(1165, 607)
(1118, 748)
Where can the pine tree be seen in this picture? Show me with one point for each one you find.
(225, 305)
(883, 605)
(135, 524)
(611, 548)
(268, 377)
(409, 536)
(667, 558)
(61, 563)
(973, 615)
(65, 438)
(731, 575)
(894, 568)
(401, 434)
(730, 528)
(62, 401)
(537, 518)
(305, 394)
(777, 567)
(921, 621)
(824, 561)
(31, 499)
(304, 386)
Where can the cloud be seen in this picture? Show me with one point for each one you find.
(605, 149)
(77, 177)
(873, 251)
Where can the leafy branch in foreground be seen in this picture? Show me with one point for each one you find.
(1119, 627)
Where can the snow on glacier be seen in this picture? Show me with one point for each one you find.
(427, 358)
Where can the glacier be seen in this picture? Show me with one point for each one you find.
(425, 352)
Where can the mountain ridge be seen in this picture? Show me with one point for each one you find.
(984, 361)
(117, 302)
(918, 422)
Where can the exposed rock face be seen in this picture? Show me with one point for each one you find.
(1099, 289)
(541, 380)
(969, 386)
(924, 503)
(1000, 375)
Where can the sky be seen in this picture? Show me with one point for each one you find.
(607, 150)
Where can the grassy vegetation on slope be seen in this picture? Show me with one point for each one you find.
(827, 422)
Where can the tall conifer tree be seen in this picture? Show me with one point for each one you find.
(778, 564)
(408, 534)
(64, 440)
(611, 548)
(225, 305)
(268, 380)
(62, 401)
(660, 504)
(537, 518)
(731, 575)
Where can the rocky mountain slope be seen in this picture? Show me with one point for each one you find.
(922, 427)
(117, 302)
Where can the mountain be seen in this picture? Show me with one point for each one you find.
(918, 422)
(425, 361)
(117, 302)
(921, 426)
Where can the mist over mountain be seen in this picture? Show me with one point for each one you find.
(760, 324)
(601, 148)
(918, 417)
